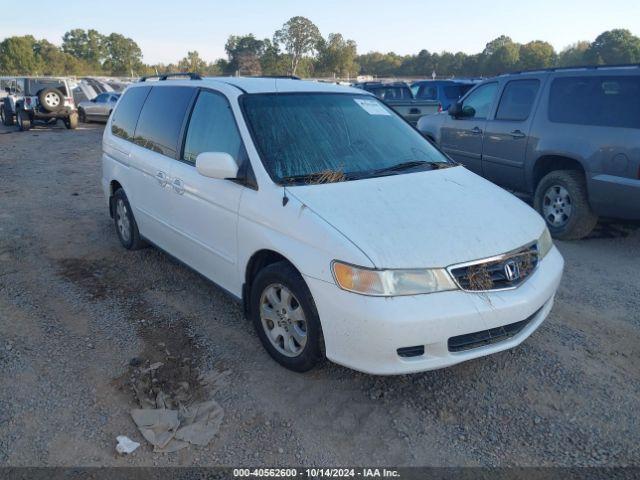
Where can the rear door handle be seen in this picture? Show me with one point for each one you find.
(517, 134)
(162, 178)
(178, 186)
(476, 131)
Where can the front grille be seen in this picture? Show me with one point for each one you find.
(505, 271)
(407, 352)
(487, 337)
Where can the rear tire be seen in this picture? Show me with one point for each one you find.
(285, 317)
(24, 120)
(71, 122)
(125, 223)
(561, 198)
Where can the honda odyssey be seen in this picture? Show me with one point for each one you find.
(342, 231)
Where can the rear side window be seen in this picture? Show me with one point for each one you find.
(595, 100)
(212, 128)
(161, 119)
(517, 100)
(126, 115)
(427, 92)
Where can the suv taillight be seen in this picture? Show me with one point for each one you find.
(439, 108)
(70, 101)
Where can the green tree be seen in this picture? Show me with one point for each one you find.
(537, 54)
(336, 56)
(574, 54)
(18, 57)
(244, 54)
(614, 47)
(501, 55)
(300, 37)
(89, 46)
(124, 56)
(192, 63)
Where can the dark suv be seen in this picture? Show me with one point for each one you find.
(570, 137)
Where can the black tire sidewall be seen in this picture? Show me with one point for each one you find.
(582, 219)
(283, 273)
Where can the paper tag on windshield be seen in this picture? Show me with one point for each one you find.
(372, 107)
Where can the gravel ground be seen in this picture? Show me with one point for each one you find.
(75, 308)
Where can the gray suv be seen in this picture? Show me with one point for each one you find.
(570, 137)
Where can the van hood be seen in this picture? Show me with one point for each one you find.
(433, 218)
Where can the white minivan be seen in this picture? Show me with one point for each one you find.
(344, 233)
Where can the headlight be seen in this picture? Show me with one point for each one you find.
(544, 243)
(389, 283)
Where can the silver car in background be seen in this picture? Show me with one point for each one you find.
(98, 108)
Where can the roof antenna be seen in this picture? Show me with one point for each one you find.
(285, 199)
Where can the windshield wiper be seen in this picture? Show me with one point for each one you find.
(407, 166)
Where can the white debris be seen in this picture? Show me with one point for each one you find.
(125, 444)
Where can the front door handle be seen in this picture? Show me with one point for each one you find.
(178, 186)
(162, 178)
(476, 131)
(517, 134)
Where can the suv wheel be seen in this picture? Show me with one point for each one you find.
(126, 226)
(561, 198)
(24, 120)
(285, 317)
(71, 122)
(7, 113)
(51, 99)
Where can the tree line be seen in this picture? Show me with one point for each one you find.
(298, 48)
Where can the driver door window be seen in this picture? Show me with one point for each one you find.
(478, 103)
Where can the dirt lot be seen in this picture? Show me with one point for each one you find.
(75, 309)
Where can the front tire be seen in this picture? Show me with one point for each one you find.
(125, 223)
(561, 198)
(7, 114)
(285, 317)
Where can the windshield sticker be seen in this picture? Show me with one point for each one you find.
(372, 107)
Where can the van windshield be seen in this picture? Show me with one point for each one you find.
(321, 138)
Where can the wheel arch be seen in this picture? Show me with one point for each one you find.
(259, 260)
(548, 163)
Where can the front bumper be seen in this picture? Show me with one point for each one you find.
(364, 333)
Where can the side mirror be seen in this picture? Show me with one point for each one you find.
(455, 110)
(219, 165)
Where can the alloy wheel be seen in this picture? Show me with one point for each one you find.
(557, 206)
(283, 320)
(122, 221)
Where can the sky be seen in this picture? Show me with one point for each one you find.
(166, 30)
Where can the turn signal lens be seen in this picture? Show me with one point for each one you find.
(389, 283)
(545, 243)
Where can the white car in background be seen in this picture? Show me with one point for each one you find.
(343, 232)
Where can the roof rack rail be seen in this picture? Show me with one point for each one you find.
(576, 67)
(164, 76)
(284, 77)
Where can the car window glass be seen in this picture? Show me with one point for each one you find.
(427, 92)
(161, 119)
(596, 100)
(517, 100)
(126, 115)
(212, 128)
(478, 103)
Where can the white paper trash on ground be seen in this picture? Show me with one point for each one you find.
(125, 444)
